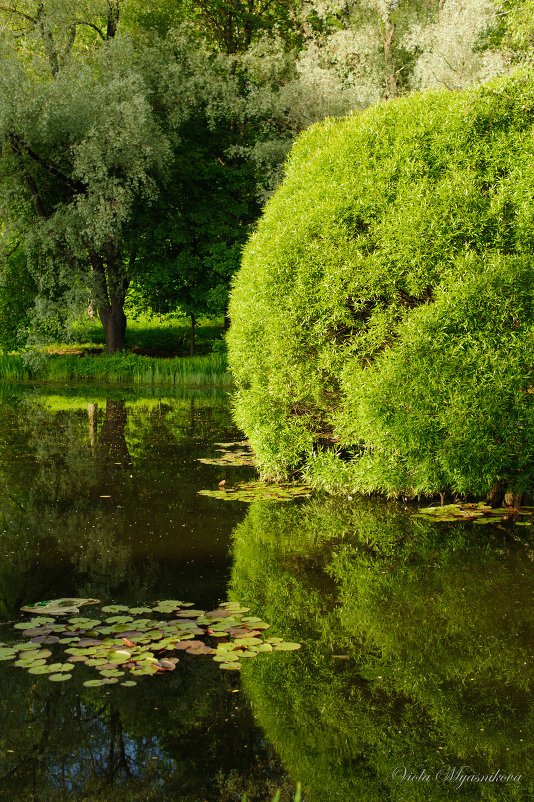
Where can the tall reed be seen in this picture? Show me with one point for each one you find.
(200, 371)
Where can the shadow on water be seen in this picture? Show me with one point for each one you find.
(417, 637)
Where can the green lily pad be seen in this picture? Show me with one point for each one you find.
(29, 663)
(39, 670)
(119, 656)
(128, 683)
(143, 672)
(37, 654)
(115, 608)
(230, 666)
(227, 657)
(286, 647)
(94, 683)
(59, 677)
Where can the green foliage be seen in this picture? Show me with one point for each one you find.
(17, 294)
(194, 233)
(148, 335)
(384, 304)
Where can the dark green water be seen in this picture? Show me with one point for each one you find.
(417, 638)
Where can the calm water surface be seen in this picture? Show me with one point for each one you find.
(415, 674)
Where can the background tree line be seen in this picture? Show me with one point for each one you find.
(140, 141)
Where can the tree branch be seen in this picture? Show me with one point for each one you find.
(30, 183)
(12, 251)
(19, 13)
(91, 25)
(75, 187)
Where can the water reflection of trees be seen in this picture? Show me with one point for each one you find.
(182, 737)
(185, 735)
(91, 493)
(417, 648)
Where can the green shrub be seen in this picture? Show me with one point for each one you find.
(384, 307)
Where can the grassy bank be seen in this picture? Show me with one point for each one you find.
(150, 336)
(129, 369)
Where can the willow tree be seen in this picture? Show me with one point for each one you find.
(83, 146)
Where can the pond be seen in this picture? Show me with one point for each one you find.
(414, 676)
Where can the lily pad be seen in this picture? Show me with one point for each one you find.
(286, 647)
(37, 654)
(259, 491)
(29, 663)
(59, 677)
(230, 666)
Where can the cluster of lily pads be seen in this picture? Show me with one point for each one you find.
(479, 513)
(238, 453)
(131, 641)
(258, 491)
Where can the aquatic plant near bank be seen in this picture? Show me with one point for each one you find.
(129, 641)
(259, 491)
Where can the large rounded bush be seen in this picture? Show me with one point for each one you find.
(382, 319)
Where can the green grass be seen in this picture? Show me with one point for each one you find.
(168, 336)
(126, 369)
(13, 368)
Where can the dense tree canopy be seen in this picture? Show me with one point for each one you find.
(137, 140)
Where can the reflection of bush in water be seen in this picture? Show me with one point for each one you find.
(438, 635)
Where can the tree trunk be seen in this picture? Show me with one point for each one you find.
(111, 286)
(114, 323)
(112, 437)
(390, 73)
(92, 412)
(192, 344)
